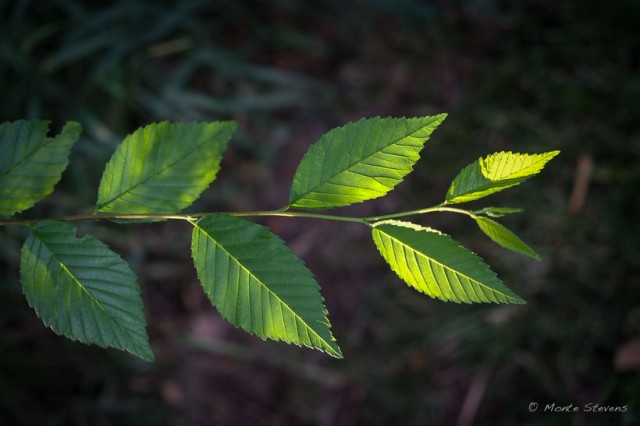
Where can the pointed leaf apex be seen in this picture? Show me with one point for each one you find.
(83, 290)
(258, 284)
(163, 167)
(494, 173)
(504, 237)
(435, 264)
(31, 163)
(360, 161)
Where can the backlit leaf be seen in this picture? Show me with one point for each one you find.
(31, 163)
(258, 284)
(504, 237)
(494, 173)
(83, 290)
(163, 168)
(360, 161)
(435, 264)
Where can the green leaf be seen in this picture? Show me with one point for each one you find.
(498, 211)
(163, 168)
(504, 237)
(494, 173)
(31, 164)
(83, 290)
(258, 284)
(359, 161)
(435, 264)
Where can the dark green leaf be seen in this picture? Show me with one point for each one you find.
(31, 163)
(504, 237)
(83, 290)
(258, 284)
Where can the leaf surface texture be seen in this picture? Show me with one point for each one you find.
(359, 161)
(31, 163)
(435, 264)
(504, 237)
(83, 290)
(494, 173)
(258, 284)
(163, 168)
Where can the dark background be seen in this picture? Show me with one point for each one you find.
(526, 76)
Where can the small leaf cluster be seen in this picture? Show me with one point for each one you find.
(83, 290)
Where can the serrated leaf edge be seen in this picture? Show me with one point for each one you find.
(233, 124)
(68, 127)
(328, 349)
(437, 120)
(502, 183)
(145, 350)
(514, 297)
(525, 249)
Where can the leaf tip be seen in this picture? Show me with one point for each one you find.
(337, 355)
(441, 117)
(332, 349)
(517, 300)
(145, 354)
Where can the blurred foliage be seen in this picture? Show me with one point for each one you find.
(524, 76)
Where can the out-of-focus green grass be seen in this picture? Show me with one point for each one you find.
(527, 76)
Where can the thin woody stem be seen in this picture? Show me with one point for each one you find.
(283, 212)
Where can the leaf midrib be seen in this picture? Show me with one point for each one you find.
(446, 266)
(86, 291)
(486, 187)
(282, 303)
(47, 141)
(541, 158)
(502, 181)
(158, 173)
(349, 166)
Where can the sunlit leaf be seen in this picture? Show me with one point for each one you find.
(494, 173)
(258, 284)
(435, 264)
(360, 161)
(504, 237)
(163, 167)
(83, 290)
(31, 163)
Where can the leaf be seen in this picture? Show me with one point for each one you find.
(504, 237)
(31, 164)
(435, 264)
(494, 173)
(498, 211)
(258, 284)
(360, 161)
(83, 290)
(163, 168)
